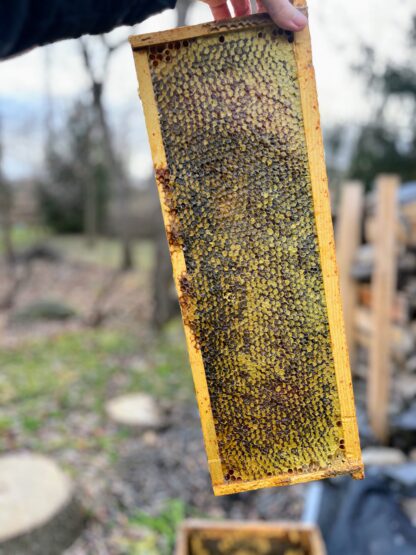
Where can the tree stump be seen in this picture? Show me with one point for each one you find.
(138, 410)
(38, 512)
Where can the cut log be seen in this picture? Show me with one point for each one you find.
(362, 269)
(406, 225)
(38, 512)
(402, 339)
(410, 365)
(382, 456)
(405, 386)
(135, 409)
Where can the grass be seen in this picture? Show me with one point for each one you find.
(106, 251)
(53, 390)
(161, 529)
(24, 236)
(53, 393)
(159, 532)
(46, 382)
(53, 366)
(87, 359)
(170, 373)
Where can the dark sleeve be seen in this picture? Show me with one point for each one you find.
(28, 23)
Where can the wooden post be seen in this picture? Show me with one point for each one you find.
(383, 288)
(347, 242)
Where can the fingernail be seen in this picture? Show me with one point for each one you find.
(298, 21)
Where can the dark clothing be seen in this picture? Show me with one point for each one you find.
(28, 23)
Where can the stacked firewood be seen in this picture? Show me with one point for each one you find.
(402, 332)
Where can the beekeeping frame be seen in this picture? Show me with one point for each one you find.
(306, 535)
(142, 46)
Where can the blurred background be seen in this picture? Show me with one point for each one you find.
(89, 319)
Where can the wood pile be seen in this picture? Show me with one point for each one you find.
(376, 246)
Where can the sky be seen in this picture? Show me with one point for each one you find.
(338, 29)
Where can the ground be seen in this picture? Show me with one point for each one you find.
(57, 375)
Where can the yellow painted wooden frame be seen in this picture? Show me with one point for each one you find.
(256, 528)
(309, 101)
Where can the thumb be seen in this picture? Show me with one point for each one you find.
(284, 14)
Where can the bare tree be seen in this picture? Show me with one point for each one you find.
(6, 203)
(118, 175)
(49, 100)
(164, 305)
(79, 163)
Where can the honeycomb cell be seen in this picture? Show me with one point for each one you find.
(238, 196)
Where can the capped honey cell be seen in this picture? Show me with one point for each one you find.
(232, 117)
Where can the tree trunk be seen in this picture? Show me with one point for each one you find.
(119, 177)
(5, 210)
(40, 513)
(90, 212)
(116, 171)
(6, 224)
(165, 305)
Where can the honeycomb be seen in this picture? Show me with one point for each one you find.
(238, 194)
(246, 543)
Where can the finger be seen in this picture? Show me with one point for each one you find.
(219, 9)
(261, 8)
(285, 15)
(241, 7)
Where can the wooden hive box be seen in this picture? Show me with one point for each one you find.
(233, 537)
(233, 124)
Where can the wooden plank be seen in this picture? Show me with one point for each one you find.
(403, 230)
(348, 239)
(308, 534)
(383, 291)
(204, 29)
(298, 55)
(323, 217)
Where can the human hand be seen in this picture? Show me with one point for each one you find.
(281, 11)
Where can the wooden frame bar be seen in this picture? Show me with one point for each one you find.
(383, 288)
(347, 243)
(306, 75)
(303, 57)
(308, 532)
